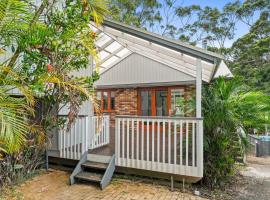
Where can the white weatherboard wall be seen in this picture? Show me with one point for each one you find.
(223, 70)
(138, 70)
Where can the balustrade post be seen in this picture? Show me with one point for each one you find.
(86, 133)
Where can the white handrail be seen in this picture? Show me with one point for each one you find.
(100, 125)
(169, 145)
(86, 133)
(72, 142)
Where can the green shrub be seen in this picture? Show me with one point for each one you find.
(227, 107)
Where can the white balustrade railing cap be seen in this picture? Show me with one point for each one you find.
(62, 115)
(157, 117)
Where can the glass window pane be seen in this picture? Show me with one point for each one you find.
(113, 47)
(112, 100)
(161, 103)
(102, 39)
(98, 96)
(146, 103)
(109, 61)
(103, 54)
(105, 100)
(177, 102)
(123, 52)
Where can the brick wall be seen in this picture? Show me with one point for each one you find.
(125, 103)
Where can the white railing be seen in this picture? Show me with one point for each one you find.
(163, 144)
(101, 128)
(74, 142)
(86, 133)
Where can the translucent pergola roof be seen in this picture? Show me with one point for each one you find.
(110, 51)
(114, 46)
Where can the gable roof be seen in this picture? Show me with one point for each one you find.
(116, 41)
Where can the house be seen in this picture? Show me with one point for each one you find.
(145, 127)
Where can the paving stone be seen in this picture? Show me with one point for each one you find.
(53, 185)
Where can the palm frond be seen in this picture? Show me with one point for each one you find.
(14, 80)
(14, 17)
(13, 123)
(98, 9)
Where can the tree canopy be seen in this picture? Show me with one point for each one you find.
(211, 28)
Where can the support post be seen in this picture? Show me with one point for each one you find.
(90, 118)
(172, 187)
(183, 182)
(199, 115)
(86, 134)
(199, 89)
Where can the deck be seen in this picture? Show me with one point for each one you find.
(108, 149)
(154, 144)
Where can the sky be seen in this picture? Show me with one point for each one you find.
(242, 28)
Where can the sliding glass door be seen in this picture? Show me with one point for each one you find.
(161, 103)
(146, 103)
(177, 102)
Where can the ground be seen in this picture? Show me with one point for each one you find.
(257, 175)
(54, 185)
(253, 182)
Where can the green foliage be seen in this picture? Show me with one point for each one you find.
(14, 124)
(43, 47)
(15, 168)
(228, 106)
(139, 13)
(251, 55)
(51, 49)
(14, 19)
(212, 28)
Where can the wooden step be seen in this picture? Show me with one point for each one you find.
(98, 158)
(89, 176)
(95, 165)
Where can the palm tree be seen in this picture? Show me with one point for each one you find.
(23, 32)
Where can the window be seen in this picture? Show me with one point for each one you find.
(177, 102)
(112, 100)
(106, 100)
(146, 103)
(161, 102)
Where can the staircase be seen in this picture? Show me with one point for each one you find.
(93, 168)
